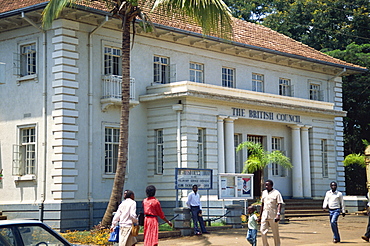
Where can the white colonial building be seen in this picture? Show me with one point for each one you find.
(193, 99)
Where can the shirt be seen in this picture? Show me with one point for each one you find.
(126, 214)
(270, 202)
(334, 200)
(194, 200)
(252, 221)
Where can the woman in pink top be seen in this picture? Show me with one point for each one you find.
(152, 209)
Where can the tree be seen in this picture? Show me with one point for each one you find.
(258, 158)
(320, 24)
(213, 16)
(356, 98)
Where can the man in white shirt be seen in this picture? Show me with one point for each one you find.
(334, 202)
(270, 213)
(196, 211)
(126, 216)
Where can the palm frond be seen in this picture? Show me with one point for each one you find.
(279, 158)
(212, 15)
(53, 10)
(354, 159)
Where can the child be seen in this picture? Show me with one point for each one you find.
(252, 226)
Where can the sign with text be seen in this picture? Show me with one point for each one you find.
(263, 115)
(235, 186)
(187, 177)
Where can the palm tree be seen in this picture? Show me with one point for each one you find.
(258, 158)
(212, 15)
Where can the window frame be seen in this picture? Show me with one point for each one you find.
(201, 148)
(22, 166)
(159, 149)
(315, 94)
(277, 144)
(256, 82)
(196, 73)
(114, 59)
(111, 168)
(284, 88)
(18, 64)
(324, 158)
(161, 70)
(228, 77)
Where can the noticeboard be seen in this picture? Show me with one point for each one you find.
(235, 186)
(187, 177)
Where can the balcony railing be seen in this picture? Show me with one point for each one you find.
(112, 86)
(112, 94)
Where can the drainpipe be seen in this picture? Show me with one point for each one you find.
(178, 108)
(90, 112)
(44, 112)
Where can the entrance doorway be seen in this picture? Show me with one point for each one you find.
(257, 175)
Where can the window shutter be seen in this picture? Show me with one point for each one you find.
(17, 160)
(16, 64)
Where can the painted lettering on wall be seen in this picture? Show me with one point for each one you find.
(263, 115)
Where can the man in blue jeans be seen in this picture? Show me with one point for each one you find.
(196, 211)
(334, 202)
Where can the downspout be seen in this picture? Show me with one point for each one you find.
(44, 114)
(90, 112)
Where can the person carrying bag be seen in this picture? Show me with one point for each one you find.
(126, 216)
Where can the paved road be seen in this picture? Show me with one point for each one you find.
(313, 231)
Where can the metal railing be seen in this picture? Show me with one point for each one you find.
(112, 86)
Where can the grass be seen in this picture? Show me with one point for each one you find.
(98, 236)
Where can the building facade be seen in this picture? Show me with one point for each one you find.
(194, 98)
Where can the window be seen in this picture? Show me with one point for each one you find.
(315, 92)
(257, 82)
(196, 72)
(111, 149)
(112, 61)
(159, 151)
(201, 147)
(284, 87)
(228, 77)
(324, 158)
(161, 70)
(238, 155)
(28, 59)
(277, 170)
(24, 154)
(255, 139)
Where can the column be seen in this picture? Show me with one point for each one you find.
(229, 145)
(306, 163)
(297, 180)
(221, 143)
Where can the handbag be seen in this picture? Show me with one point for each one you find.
(114, 235)
(135, 230)
(140, 218)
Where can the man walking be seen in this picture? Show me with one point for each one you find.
(334, 202)
(270, 212)
(196, 211)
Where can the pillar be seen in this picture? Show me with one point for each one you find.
(229, 145)
(221, 143)
(306, 163)
(297, 180)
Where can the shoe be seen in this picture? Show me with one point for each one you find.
(365, 238)
(336, 241)
(198, 233)
(206, 232)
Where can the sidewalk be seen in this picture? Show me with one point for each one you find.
(302, 231)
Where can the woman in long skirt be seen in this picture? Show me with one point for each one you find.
(152, 210)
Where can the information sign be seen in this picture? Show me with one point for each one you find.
(235, 186)
(187, 177)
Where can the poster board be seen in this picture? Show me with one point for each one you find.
(185, 178)
(235, 186)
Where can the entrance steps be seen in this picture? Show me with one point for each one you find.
(303, 208)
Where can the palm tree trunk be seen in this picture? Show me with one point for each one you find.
(119, 179)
